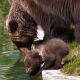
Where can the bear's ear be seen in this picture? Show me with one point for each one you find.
(27, 51)
(36, 55)
(13, 26)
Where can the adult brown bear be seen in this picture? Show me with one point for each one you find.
(54, 16)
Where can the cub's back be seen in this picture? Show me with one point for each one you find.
(56, 43)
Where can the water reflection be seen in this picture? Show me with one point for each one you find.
(15, 71)
(3, 69)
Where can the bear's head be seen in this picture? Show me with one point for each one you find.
(21, 27)
(32, 62)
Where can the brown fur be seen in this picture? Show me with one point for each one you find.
(50, 53)
(54, 16)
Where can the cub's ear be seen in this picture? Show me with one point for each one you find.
(24, 51)
(36, 55)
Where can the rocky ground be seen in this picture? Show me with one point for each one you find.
(57, 75)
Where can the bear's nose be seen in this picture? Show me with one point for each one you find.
(28, 70)
(13, 25)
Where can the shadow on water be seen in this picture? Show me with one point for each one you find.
(11, 64)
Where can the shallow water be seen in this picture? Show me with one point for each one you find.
(11, 62)
(14, 70)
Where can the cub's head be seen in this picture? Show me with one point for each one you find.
(32, 62)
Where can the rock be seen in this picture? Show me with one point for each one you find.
(57, 75)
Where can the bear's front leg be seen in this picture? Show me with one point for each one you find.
(48, 61)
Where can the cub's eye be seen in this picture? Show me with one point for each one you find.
(27, 66)
(32, 68)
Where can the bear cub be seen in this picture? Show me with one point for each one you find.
(50, 53)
